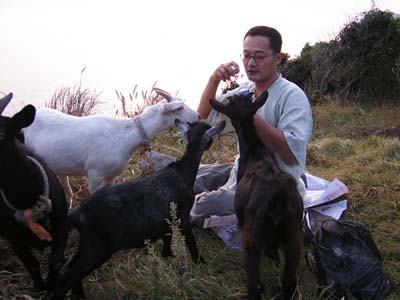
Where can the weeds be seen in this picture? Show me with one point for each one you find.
(76, 100)
(135, 105)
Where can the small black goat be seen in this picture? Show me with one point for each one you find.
(126, 215)
(26, 183)
(268, 205)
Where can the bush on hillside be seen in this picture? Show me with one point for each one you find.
(361, 63)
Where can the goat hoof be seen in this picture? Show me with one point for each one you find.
(78, 292)
(255, 293)
(295, 296)
(277, 296)
(39, 284)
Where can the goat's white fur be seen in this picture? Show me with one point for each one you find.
(98, 147)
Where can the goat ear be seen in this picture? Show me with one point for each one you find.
(183, 127)
(213, 131)
(25, 117)
(163, 101)
(218, 106)
(260, 101)
(4, 102)
(172, 106)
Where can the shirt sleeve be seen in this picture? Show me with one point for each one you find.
(296, 124)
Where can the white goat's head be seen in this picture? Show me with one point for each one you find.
(174, 108)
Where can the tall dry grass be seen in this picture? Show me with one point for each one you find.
(75, 100)
(136, 101)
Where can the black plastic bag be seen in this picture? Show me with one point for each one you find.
(346, 258)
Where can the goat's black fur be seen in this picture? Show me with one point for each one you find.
(126, 215)
(22, 183)
(268, 205)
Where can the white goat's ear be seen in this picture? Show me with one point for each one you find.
(162, 101)
(159, 106)
(172, 107)
(183, 127)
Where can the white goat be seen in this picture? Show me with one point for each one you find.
(99, 147)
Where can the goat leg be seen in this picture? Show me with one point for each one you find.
(77, 290)
(252, 266)
(191, 241)
(252, 250)
(166, 250)
(293, 249)
(29, 262)
(79, 267)
(57, 258)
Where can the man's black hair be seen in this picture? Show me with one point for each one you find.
(275, 38)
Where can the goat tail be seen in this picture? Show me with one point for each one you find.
(265, 214)
(266, 207)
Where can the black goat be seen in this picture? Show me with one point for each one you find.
(126, 215)
(24, 182)
(268, 205)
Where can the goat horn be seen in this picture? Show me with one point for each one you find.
(4, 102)
(163, 93)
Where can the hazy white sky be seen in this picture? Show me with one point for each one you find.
(46, 43)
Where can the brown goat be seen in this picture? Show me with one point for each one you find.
(268, 205)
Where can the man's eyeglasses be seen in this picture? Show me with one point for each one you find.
(246, 57)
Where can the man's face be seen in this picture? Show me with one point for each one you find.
(260, 62)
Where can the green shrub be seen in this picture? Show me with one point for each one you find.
(362, 63)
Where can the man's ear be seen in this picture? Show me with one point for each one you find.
(278, 58)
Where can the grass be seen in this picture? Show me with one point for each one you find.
(359, 145)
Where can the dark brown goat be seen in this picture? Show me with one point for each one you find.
(125, 215)
(24, 179)
(268, 205)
